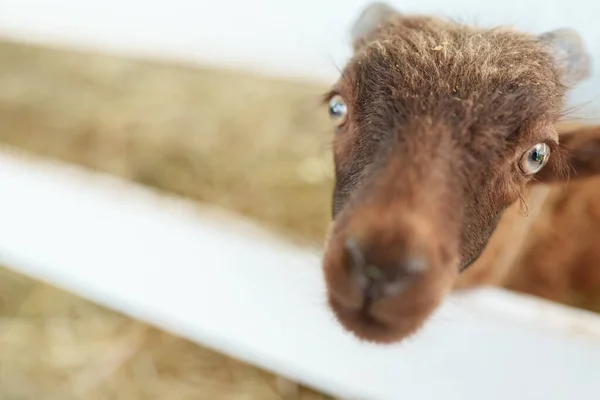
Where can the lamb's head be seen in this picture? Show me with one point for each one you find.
(439, 127)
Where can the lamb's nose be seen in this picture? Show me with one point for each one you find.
(380, 272)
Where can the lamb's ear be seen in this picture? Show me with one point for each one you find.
(371, 17)
(569, 53)
(580, 157)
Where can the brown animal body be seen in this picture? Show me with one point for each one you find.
(549, 245)
(443, 132)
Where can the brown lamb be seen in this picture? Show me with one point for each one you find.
(445, 140)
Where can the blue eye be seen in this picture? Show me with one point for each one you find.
(534, 159)
(338, 110)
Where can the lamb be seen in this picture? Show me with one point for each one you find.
(444, 134)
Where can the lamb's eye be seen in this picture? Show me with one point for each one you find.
(338, 110)
(534, 159)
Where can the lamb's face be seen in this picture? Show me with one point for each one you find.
(438, 128)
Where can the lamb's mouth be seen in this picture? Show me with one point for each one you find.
(361, 317)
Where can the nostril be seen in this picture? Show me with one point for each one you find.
(415, 265)
(380, 285)
(356, 254)
(380, 274)
(357, 266)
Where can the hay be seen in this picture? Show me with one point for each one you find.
(55, 346)
(258, 146)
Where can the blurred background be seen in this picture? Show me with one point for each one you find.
(216, 101)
